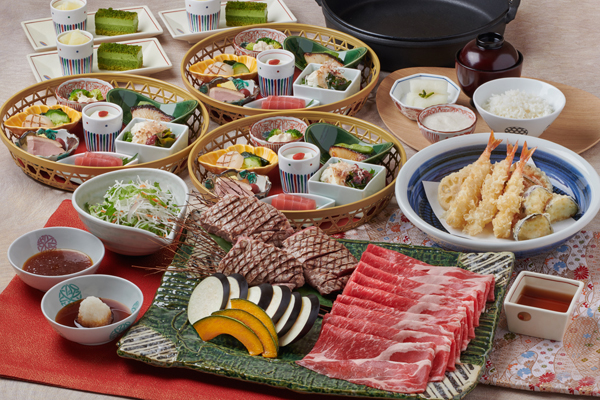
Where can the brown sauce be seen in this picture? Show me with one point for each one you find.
(546, 299)
(68, 314)
(57, 262)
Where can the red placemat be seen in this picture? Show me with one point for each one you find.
(31, 351)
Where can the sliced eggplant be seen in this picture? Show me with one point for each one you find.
(532, 226)
(261, 295)
(238, 288)
(211, 294)
(535, 199)
(304, 322)
(279, 302)
(561, 207)
(290, 315)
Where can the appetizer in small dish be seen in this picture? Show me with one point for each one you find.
(307, 51)
(283, 103)
(100, 159)
(225, 65)
(41, 116)
(231, 90)
(259, 160)
(76, 93)
(49, 144)
(327, 82)
(240, 183)
(274, 132)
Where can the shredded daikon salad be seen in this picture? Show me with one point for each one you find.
(139, 204)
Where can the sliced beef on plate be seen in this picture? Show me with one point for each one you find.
(352, 307)
(325, 261)
(275, 238)
(443, 301)
(423, 288)
(441, 344)
(477, 289)
(402, 259)
(411, 306)
(370, 360)
(260, 262)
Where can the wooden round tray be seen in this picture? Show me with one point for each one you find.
(67, 177)
(577, 127)
(331, 220)
(221, 112)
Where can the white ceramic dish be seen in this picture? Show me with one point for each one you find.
(46, 65)
(401, 87)
(124, 239)
(530, 127)
(433, 135)
(101, 286)
(310, 102)
(39, 240)
(322, 202)
(268, 124)
(540, 322)
(568, 172)
(64, 90)
(71, 159)
(177, 25)
(152, 153)
(251, 36)
(327, 96)
(344, 194)
(42, 36)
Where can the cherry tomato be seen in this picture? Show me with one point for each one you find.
(298, 156)
(102, 114)
(274, 62)
(245, 92)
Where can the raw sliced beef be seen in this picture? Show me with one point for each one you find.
(441, 344)
(370, 360)
(404, 260)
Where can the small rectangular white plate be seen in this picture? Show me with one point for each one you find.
(322, 202)
(47, 66)
(258, 103)
(71, 159)
(177, 24)
(42, 36)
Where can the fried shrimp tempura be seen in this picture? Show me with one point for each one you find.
(509, 204)
(469, 194)
(493, 186)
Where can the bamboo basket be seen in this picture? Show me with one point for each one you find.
(331, 220)
(68, 177)
(219, 43)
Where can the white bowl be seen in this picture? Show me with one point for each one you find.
(101, 286)
(53, 238)
(251, 36)
(539, 322)
(433, 135)
(344, 194)
(64, 90)
(326, 96)
(568, 172)
(322, 202)
(530, 127)
(268, 124)
(401, 88)
(124, 239)
(147, 153)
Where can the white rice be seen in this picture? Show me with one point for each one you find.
(518, 105)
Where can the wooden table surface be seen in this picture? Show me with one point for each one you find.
(557, 38)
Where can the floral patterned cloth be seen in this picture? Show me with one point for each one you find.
(519, 361)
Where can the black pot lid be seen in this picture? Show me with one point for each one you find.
(489, 52)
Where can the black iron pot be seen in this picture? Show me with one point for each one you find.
(411, 33)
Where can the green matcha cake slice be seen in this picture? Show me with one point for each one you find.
(240, 13)
(111, 22)
(119, 57)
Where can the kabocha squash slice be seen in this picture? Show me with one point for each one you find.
(259, 313)
(214, 325)
(270, 346)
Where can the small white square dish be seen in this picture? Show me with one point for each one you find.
(541, 305)
(148, 153)
(327, 96)
(308, 103)
(345, 194)
(177, 23)
(42, 36)
(322, 202)
(127, 158)
(47, 66)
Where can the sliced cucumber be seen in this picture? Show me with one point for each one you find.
(240, 68)
(210, 295)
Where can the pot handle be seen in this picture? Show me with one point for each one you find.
(320, 3)
(512, 9)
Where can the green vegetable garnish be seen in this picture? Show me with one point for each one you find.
(270, 41)
(296, 134)
(257, 161)
(426, 95)
(97, 94)
(230, 62)
(74, 95)
(130, 159)
(357, 147)
(127, 136)
(57, 116)
(337, 82)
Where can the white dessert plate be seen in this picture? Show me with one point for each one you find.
(42, 36)
(46, 65)
(177, 24)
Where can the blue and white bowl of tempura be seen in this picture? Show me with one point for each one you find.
(568, 173)
(143, 219)
(121, 301)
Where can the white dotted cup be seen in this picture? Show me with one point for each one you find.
(78, 58)
(68, 20)
(275, 72)
(203, 15)
(102, 123)
(294, 174)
